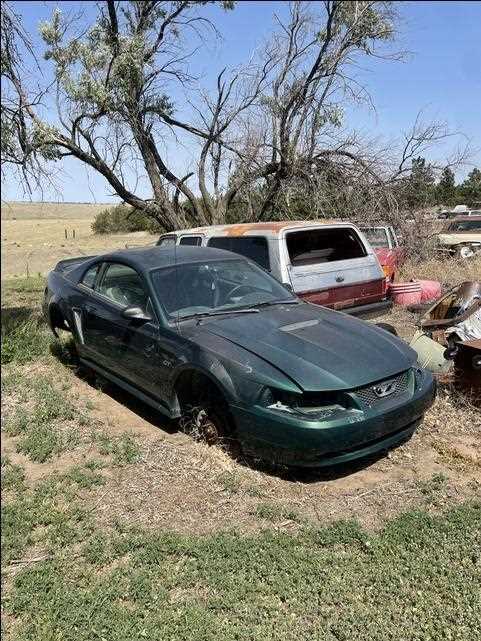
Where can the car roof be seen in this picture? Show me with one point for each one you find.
(269, 229)
(148, 258)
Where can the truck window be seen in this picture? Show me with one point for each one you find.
(191, 240)
(166, 241)
(465, 225)
(253, 247)
(377, 236)
(313, 246)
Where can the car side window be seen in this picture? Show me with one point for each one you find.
(122, 285)
(167, 241)
(90, 275)
(195, 241)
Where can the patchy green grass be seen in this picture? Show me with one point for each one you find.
(22, 289)
(274, 513)
(24, 340)
(44, 418)
(12, 475)
(418, 577)
(123, 449)
(229, 481)
(25, 336)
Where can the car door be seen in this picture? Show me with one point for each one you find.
(127, 348)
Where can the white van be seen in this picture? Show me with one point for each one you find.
(329, 263)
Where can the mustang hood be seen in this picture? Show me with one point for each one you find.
(317, 348)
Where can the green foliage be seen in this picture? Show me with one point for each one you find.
(124, 219)
(23, 341)
(41, 442)
(446, 192)
(418, 188)
(339, 582)
(46, 420)
(273, 513)
(470, 190)
(84, 476)
(123, 449)
(13, 475)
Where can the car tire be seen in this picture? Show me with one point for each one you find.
(388, 328)
(206, 417)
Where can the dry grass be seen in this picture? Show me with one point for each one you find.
(449, 271)
(34, 245)
(43, 211)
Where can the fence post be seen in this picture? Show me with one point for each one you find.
(65, 234)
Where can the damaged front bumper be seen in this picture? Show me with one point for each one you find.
(292, 440)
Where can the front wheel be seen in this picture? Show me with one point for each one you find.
(206, 416)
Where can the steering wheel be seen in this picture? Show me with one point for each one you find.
(231, 293)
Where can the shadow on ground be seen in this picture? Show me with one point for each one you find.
(66, 354)
(12, 317)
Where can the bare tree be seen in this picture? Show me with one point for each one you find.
(111, 95)
(268, 132)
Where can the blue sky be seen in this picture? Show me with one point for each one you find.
(441, 76)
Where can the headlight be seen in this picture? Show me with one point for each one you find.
(318, 405)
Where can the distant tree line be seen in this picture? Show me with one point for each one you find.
(423, 190)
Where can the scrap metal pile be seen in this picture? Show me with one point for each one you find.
(449, 339)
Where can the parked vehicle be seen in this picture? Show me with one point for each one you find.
(325, 262)
(462, 237)
(388, 249)
(459, 210)
(209, 335)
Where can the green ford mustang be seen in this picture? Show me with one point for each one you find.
(207, 336)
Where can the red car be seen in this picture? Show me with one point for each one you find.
(385, 243)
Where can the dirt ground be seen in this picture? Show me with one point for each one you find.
(180, 484)
(33, 236)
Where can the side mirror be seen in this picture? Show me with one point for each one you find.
(288, 286)
(137, 314)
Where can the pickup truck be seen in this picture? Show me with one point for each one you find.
(462, 237)
(388, 249)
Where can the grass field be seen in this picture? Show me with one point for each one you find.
(116, 526)
(48, 211)
(33, 236)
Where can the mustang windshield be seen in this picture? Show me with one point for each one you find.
(188, 289)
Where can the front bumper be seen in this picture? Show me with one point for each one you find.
(289, 439)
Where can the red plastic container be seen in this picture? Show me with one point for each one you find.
(430, 290)
(406, 293)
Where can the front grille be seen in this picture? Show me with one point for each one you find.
(372, 395)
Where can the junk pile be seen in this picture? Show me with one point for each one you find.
(449, 339)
